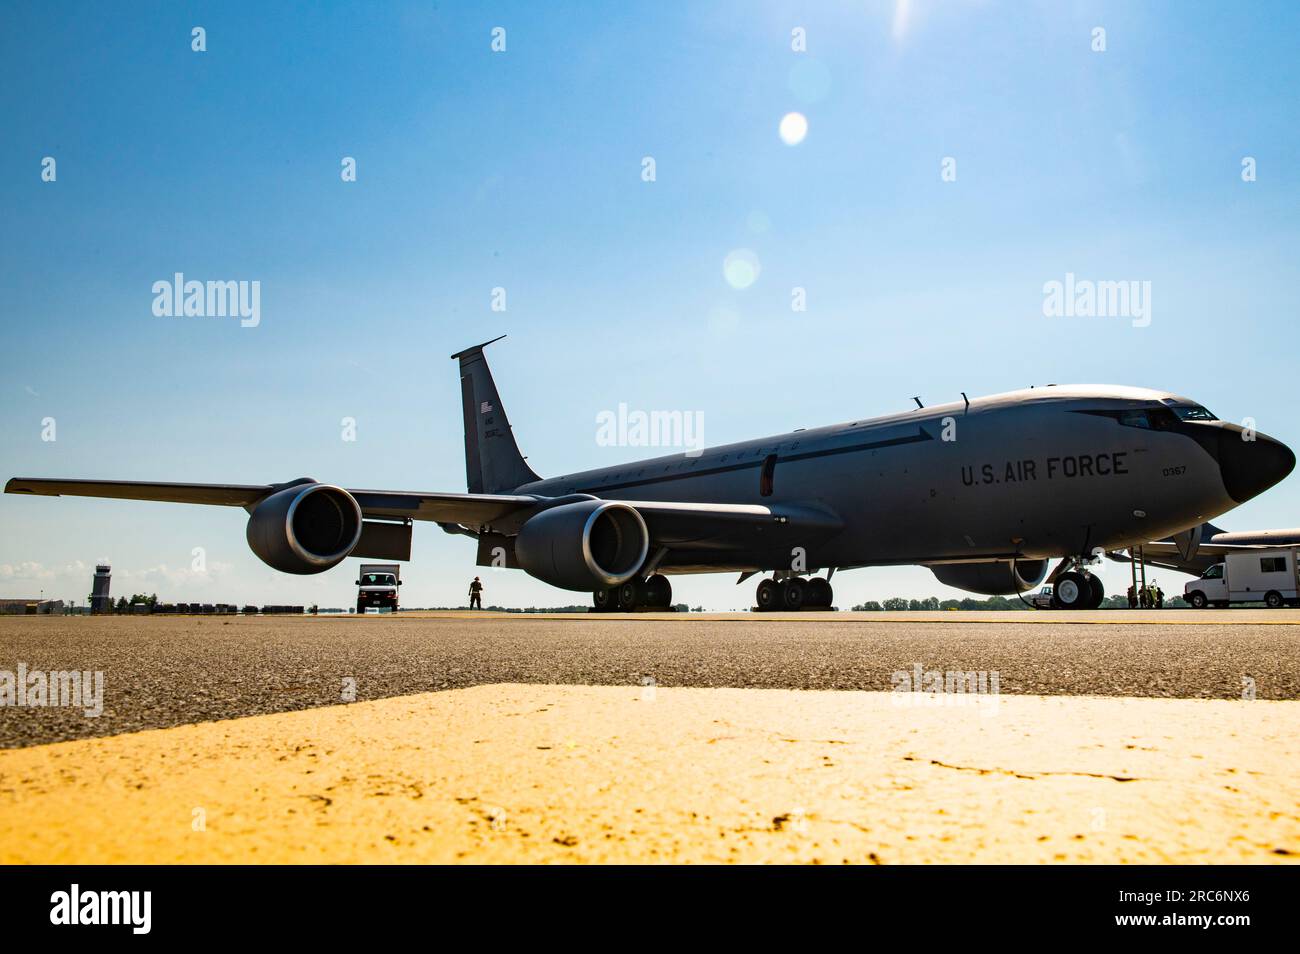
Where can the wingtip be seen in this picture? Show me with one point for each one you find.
(477, 347)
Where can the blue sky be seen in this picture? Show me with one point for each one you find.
(522, 170)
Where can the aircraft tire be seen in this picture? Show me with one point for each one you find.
(629, 596)
(1071, 591)
(819, 592)
(1098, 592)
(658, 591)
(767, 595)
(794, 594)
(602, 600)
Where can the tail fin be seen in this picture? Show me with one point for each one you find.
(493, 463)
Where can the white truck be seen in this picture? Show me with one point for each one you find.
(1259, 575)
(378, 584)
(1043, 599)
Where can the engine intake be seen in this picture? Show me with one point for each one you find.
(993, 578)
(585, 545)
(307, 528)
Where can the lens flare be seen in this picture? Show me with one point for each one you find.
(741, 268)
(794, 126)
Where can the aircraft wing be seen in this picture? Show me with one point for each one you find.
(1167, 556)
(1255, 538)
(469, 509)
(689, 526)
(675, 525)
(221, 495)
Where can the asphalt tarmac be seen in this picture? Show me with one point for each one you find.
(160, 672)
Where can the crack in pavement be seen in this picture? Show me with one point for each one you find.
(1012, 772)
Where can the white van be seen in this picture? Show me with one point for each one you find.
(1267, 576)
(378, 584)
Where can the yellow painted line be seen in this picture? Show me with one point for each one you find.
(508, 773)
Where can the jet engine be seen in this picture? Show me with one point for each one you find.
(994, 578)
(587, 545)
(306, 528)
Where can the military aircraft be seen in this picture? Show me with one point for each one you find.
(1197, 549)
(985, 492)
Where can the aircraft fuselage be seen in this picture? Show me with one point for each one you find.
(1043, 472)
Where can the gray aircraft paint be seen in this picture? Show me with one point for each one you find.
(1027, 475)
(1030, 474)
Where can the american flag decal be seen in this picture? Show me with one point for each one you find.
(485, 408)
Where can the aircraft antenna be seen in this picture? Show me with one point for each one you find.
(918, 402)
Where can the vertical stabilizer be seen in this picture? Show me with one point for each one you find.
(493, 464)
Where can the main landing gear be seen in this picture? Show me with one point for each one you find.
(654, 593)
(1075, 588)
(792, 594)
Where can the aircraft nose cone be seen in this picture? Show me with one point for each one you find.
(1250, 467)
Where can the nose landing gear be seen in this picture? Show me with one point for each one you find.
(1076, 588)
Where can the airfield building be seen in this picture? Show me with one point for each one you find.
(100, 601)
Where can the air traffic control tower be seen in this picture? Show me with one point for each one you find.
(100, 601)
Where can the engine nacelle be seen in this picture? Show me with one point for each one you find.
(585, 545)
(994, 578)
(306, 528)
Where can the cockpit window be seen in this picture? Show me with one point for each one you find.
(1134, 419)
(1157, 418)
(1161, 418)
